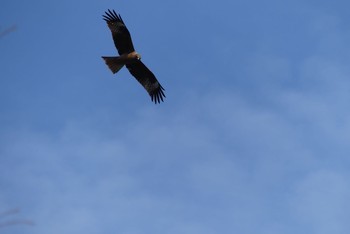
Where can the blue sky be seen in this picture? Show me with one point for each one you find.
(253, 136)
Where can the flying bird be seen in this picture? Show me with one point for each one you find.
(130, 58)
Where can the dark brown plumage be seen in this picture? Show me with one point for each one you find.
(130, 58)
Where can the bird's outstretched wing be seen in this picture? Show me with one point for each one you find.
(121, 35)
(147, 80)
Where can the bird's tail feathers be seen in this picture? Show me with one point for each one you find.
(114, 63)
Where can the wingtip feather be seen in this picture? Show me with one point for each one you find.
(158, 95)
(111, 15)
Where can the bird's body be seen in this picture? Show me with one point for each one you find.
(130, 58)
(116, 63)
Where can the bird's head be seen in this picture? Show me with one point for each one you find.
(134, 56)
(138, 56)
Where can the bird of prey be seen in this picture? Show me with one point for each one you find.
(130, 58)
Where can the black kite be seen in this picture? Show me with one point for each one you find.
(130, 58)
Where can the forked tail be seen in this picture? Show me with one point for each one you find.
(114, 63)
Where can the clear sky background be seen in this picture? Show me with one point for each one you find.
(253, 136)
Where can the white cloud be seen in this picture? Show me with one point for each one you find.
(321, 201)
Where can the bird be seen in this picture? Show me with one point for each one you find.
(130, 58)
